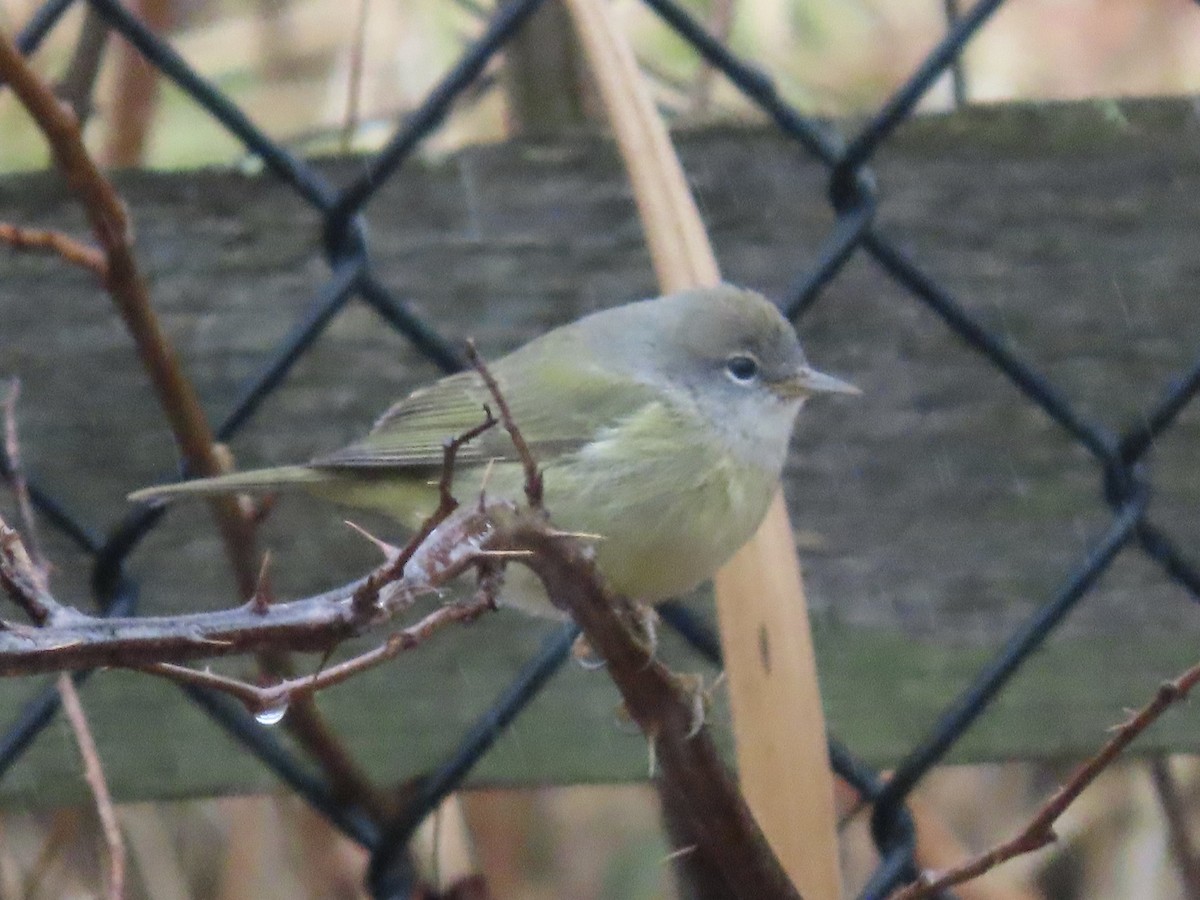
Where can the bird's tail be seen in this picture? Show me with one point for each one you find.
(255, 479)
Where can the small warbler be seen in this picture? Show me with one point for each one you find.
(661, 426)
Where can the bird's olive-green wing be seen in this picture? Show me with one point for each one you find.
(558, 405)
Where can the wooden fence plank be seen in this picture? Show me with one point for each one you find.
(932, 515)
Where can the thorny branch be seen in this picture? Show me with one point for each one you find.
(123, 280)
(482, 537)
(367, 594)
(689, 768)
(1039, 831)
(446, 546)
(70, 639)
(127, 287)
(38, 579)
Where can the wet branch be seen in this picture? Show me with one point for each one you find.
(68, 639)
(483, 537)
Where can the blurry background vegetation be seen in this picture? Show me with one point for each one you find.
(325, 75)
(331, 76)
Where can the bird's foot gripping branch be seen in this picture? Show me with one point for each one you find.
(481, 537)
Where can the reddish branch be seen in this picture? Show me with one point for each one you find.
(663, 707)
(93, 773)
(123, 280)
(481, 537)
(75, 252)
(447, 545)
(1039, 832)
(113, 232)
(279, 696)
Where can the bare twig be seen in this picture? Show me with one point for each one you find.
(690, 769)
(75, 252)
(20, 487)
(282, 694)
(23, 575)
(533, 475)
(279, 696)
(1039, 832)
(264, 593)
(938, 846)
(34, 570)
(451, 542)
(1183, 848)
(93, 772)
(75, 640)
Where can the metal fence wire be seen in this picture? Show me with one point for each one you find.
(852, 195)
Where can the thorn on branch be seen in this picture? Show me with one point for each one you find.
(18, 576)
(264, 595)
(487, 475)
(389, 551)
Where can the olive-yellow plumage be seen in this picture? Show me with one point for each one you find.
(660, 425)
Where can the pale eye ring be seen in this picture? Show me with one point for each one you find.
(742, 368)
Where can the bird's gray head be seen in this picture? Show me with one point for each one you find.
(737, 339)
(738, 361)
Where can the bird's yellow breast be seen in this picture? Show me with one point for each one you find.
(669, 503)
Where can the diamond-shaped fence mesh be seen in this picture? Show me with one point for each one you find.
(852, 194)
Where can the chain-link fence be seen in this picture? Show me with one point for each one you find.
(853, 197)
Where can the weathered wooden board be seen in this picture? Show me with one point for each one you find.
(933, 514)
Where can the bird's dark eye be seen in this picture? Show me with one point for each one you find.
(742, 369)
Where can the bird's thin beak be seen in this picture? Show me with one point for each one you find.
(809, 381)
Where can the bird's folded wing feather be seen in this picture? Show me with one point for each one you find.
(558, 407)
